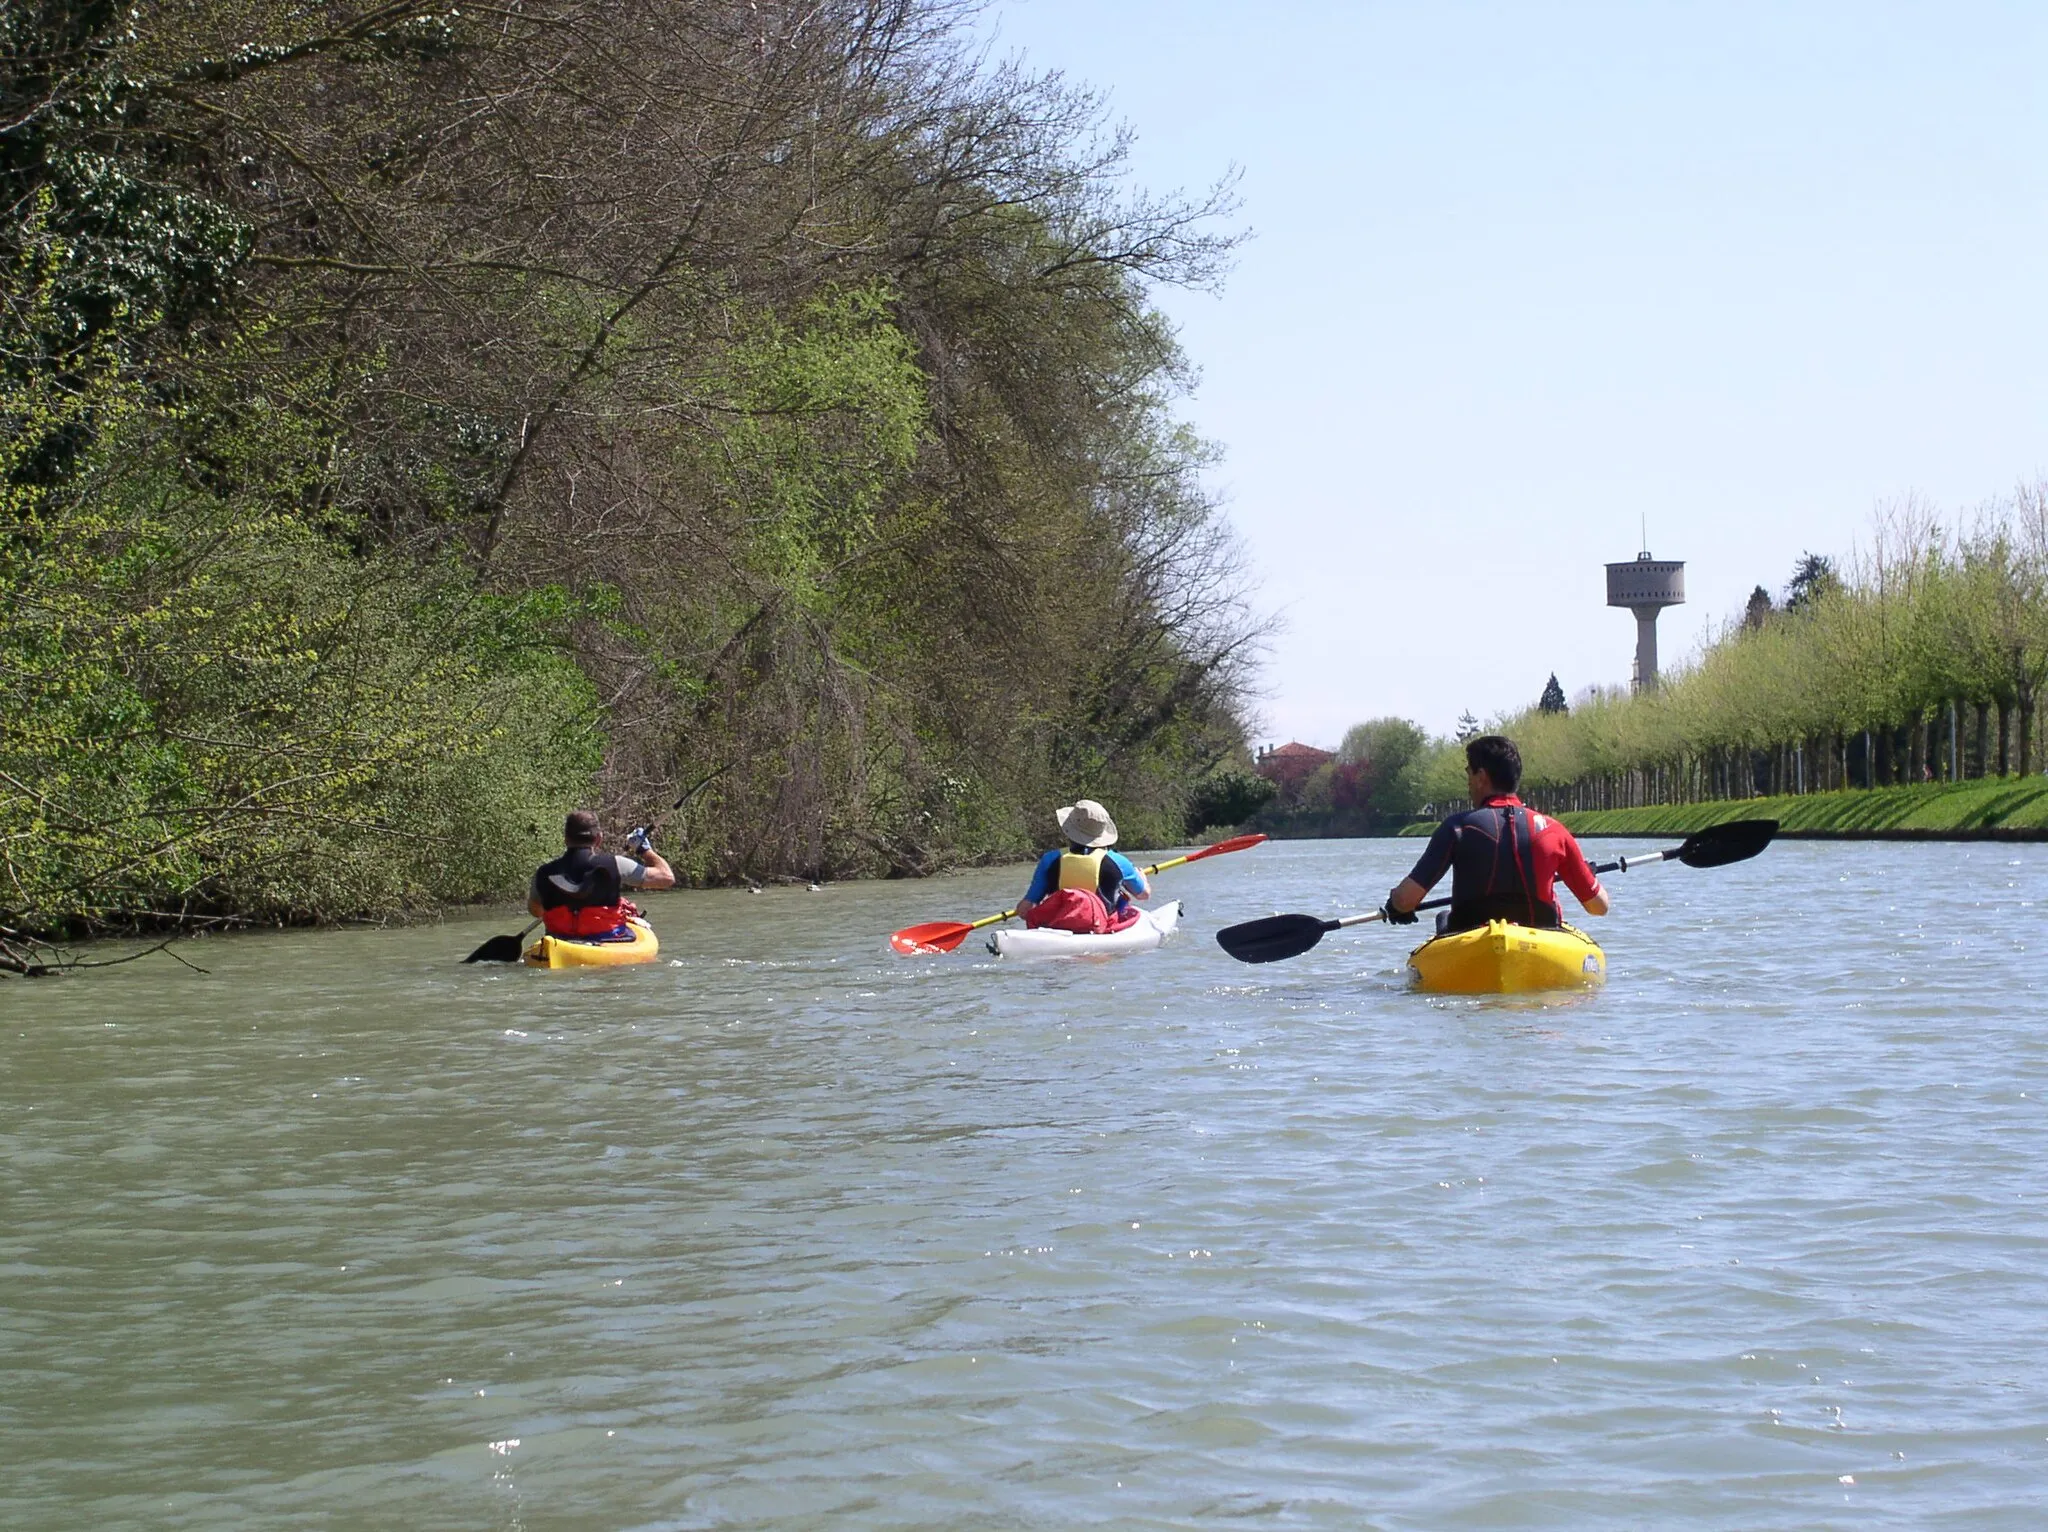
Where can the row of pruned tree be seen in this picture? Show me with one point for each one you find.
(1923, 658)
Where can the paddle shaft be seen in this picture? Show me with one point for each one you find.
(689, 792)
(1221, 848)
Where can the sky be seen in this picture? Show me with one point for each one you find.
(1524, 276)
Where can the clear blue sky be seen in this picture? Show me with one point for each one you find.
(1525, 273)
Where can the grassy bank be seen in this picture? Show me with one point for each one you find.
(1991, 809)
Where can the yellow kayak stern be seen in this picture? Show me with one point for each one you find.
(561, 952)
(1501, 958)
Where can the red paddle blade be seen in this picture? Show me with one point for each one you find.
(1235, 843)
(932, 936)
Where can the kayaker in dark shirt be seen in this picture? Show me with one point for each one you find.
(1504, 858)
(581, 893)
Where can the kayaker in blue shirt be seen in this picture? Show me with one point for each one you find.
(1086, 888)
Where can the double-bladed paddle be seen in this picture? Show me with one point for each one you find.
(945, 935)
(506, 949)
(1285, 936)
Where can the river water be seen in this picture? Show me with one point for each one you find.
(792, 1232)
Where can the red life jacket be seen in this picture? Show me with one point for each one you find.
(580, 894)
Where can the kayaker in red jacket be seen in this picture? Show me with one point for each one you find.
(581, 893)
(1504, 858)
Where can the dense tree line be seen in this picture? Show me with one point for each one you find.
(414, 419)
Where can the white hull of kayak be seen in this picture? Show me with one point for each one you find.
(1150, 930)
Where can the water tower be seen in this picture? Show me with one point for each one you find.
(1646, 586)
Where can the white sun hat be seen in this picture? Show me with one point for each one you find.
(1088, 823)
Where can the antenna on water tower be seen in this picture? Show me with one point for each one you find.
(1646, 586)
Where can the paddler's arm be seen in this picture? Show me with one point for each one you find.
(1039, 886)
(1578, 876)
(1134, 884)
(654, 872)
(1434, 862)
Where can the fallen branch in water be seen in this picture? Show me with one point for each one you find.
(32, 959)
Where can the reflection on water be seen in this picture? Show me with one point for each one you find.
(789, 1231)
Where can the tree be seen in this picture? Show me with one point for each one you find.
(1813, 576)
(1758, 611)
(1375, 767)
(1552, 700)
(1468, 727)
(1228, 797)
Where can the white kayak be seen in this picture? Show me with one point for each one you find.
(1151, 928)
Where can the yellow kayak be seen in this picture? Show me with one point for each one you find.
(562, 952)
(1500, 958)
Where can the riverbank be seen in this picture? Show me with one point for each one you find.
(1993, 808)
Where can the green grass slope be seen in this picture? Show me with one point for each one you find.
(1992, 809)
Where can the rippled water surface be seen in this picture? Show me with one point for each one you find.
(791, 1232)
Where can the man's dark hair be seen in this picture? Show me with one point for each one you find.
(580, 828)
(1496, 755)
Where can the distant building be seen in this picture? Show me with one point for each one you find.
(1646, 586)
(1288, 766)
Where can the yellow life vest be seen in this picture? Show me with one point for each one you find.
(1080, 869)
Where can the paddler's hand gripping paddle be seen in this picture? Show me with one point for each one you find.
(945, 935)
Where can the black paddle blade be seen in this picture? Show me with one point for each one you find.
(499, 949)
(1274, 938)
(1718, 845)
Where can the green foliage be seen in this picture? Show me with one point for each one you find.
(84, 177)
(1552, 700)
(1228, 798)
(1380, 767)
(1813, 578)
(1439, 776)
(207, 705)
(827, 415)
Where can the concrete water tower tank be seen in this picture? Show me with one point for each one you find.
(1646, 586)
